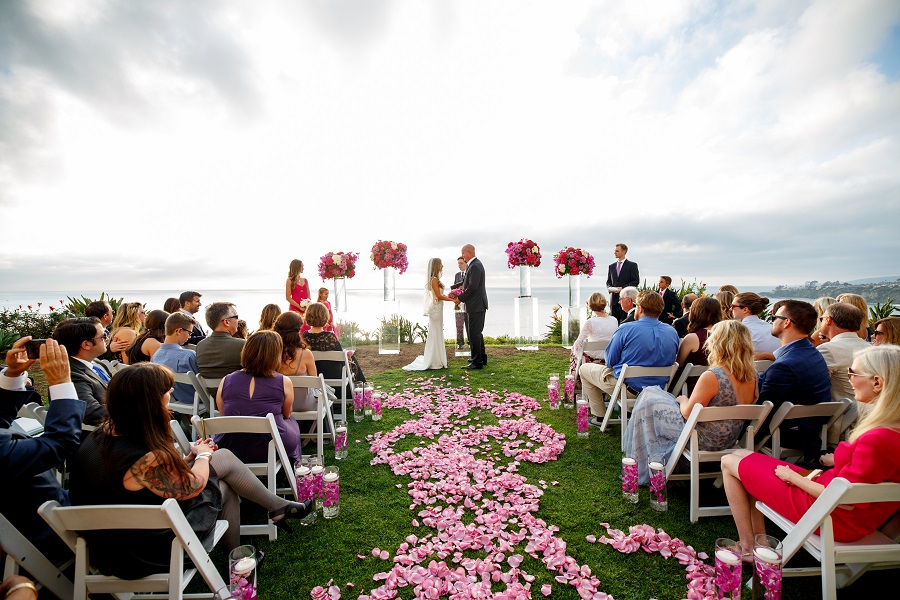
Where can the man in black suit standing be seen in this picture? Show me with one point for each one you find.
(672, 308)
(85, 339)
(622, 273)
(474, 295)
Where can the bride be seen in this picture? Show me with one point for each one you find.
(435, 353)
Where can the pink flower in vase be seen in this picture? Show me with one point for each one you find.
(630, 478)
(582, 418)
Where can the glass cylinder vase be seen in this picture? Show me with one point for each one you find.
(574, 290)
(340, 294)
(306, 490)
(359, 402)
(581, 418)
(376, 406)
(728, 569)
(569, 392)
(242, 573)
(390, 284)
(331, 493)
(340, 440)
(316, 474)
(658, 500)
(553, 396)
(767, 556)
(630, 480)
(524, 281)
(368, 393)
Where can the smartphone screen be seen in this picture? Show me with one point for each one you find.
(33, 348)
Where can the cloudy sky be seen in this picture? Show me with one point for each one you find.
(166, 144)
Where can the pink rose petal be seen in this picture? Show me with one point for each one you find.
(546, 589)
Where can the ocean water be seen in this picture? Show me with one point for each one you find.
(366, 307)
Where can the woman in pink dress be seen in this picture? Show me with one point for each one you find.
(296, 288)
(871, 455)
(323, 299)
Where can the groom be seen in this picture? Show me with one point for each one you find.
(475, 297)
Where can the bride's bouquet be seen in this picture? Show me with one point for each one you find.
(454, 293)
(573, 261)
(524, 253)
(338, 264)
(389, 254)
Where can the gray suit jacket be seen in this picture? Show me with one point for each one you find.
(219, 355)
(91, 389)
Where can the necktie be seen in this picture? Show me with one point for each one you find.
(619, 268)
(100, 373)
(661, 293)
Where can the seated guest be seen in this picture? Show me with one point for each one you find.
(241, 332)
(267, 318)
(705, 312)
(860, 303)
(820, 305)
(102, 310)
(255, 391)
(627, 300)
(643, 343)
(838, 325)
(659, 417)
(320, 340)
(175, 357)
(746, 308)
(598, 328)
(672, 308)
(132, 459)
(798, 375)
(871, 455)
(146, 344)
(887, 331)
(172, 305)
(220, 353)
(726, 299)
(296, 357)
(729, 288)
(26, 462)
(190, 305)
(85, 340)
(681, 323)
(126, 327)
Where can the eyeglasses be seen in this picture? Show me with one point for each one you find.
(231, 317)
(101, 337)
(737, 306)
(773, 317)
(877, 333)
(852, 373)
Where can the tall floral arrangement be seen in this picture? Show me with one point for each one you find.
(389, 254)
(525, 253)
(338, 264)
(573, 261)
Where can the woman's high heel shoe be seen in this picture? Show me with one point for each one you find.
(292, 510)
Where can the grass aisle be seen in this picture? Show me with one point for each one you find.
(378, 511)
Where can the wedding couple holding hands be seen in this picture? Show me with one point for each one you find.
(473, 294)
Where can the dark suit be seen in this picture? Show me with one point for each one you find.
(91, 389)
(629, 276)
(800, 376)
(474, 295)
(672, 305)
(681, 324)
(197, 334)
(25, 463)
(630, 318)
(219, 355)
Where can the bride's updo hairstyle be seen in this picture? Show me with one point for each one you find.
(316, 315)
(752, 302)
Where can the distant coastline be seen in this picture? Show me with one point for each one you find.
(874, 293)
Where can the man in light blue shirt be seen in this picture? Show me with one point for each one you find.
(643, 343)
(172, 355)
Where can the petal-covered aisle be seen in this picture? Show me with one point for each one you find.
(473, 529)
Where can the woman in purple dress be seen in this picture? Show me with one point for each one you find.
(254, 391)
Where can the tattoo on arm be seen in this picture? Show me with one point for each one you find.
(162, 482)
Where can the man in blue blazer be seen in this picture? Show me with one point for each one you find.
(26, 462)
(799, 373)
(474, 294)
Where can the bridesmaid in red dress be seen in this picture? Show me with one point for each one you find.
(297, 287)
(872, 455)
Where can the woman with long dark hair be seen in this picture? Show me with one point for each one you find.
(131, 459)
(145, 345)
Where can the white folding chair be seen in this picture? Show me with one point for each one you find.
(109, 365)
(592, 348)
(276, 460)
(620, 393)
(33, 410)
(342, 386)
(879, 550)
(302, 383)
(688, 446)
(762, 365)
(782, 419)
(690, 370)
(70, 521)
(20, 552)
(181, 441)
(202, 403)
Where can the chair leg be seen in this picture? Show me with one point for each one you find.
(695, 491)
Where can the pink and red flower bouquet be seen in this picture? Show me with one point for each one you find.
(454, 293)
(524, 253)
(389, 254)
(573, 261)
(338, 264)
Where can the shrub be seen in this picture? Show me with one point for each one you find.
(30, 321)
(77, 305)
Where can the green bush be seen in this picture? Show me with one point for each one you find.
(882, 311)
(77, 305)
(409, 331)
(30, 321)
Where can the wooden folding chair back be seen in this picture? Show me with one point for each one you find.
(770, 442)
(344, 385)
(20, 552)
(620, 393)
(322, 413)
(762, 365)
(680, 386)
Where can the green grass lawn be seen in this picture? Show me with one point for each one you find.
(375, 513)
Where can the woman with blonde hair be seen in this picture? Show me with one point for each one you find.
(435, 356)
(127, 325)
(598, 328)
(820, 304)
(267, 318)
(725, 299)
(870, 455)
(296, 288)
(887, 331)
(659, 417)
(860, 303)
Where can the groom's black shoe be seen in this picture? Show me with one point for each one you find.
(472, 367)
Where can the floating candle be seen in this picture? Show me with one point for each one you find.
(727, 556)
(767, 554)
(244, 566)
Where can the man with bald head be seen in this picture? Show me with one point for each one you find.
(474, 295)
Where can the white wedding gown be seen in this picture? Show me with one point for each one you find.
(435, 356)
